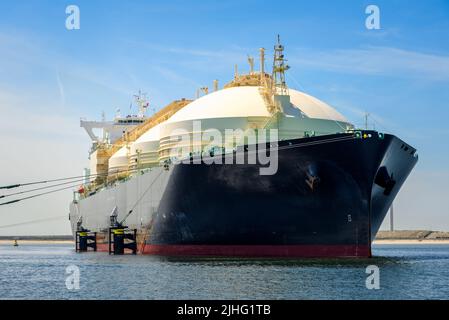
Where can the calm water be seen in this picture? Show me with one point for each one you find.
(39, 272)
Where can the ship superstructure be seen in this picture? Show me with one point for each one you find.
(111, 133)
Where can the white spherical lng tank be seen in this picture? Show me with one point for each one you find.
(244, 108)
(118, 162)
(232, 108)
(144, 152)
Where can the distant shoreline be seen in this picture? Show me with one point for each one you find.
(376, 242)
(44, 238)
(25, 242)
(410, 241)
(403, 237)
(58, 239)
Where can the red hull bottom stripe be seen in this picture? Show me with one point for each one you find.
(286, 251)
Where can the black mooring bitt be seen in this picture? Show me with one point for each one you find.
(84, 239)
(121, 239)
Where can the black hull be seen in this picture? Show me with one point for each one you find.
(328, 198)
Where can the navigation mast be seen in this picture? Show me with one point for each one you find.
(142, 103)
(279, 68)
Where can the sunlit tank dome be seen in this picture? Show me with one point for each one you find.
(245, 107)
(248, 102)
(144, 151)
(232, 102)
(141, 143)
(313, 107)
(118, 162)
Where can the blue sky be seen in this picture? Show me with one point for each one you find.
(50, 77)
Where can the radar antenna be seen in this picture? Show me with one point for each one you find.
(142, 103)
(279, 68)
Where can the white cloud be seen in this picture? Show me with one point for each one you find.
(61, 88)
(199, 57)
(36, 146)
(384, 61)
(25, 56)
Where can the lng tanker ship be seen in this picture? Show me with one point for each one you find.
(255, 169)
